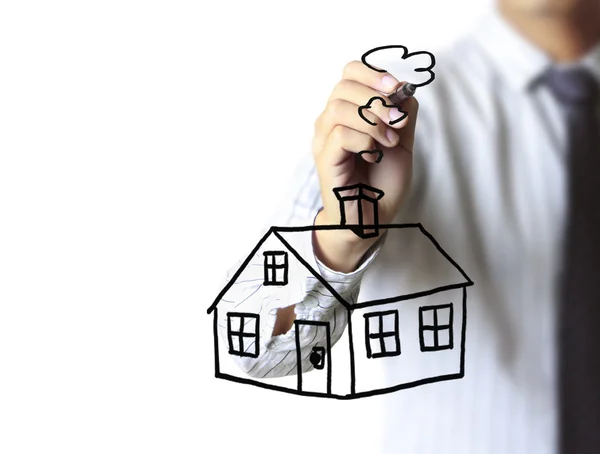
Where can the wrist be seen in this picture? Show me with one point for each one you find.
(340, 250)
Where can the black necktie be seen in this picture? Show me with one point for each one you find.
(579, 296)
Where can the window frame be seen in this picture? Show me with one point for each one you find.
(436, 328)
(273, 267)
(241, 334)
(381, 335)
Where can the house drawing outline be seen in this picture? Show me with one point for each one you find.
(417, 324)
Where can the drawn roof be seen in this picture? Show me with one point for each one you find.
(418, 278)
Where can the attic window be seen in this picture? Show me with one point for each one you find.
(381, 334)
(435, 327)
(242, 334)
(276, 268)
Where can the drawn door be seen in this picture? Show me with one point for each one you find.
(314, 366)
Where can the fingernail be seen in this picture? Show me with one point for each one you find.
(395, 114)
(389, 81)
(391, 135)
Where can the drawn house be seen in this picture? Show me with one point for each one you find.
(406, 329)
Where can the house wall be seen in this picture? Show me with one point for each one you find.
(311, 379)
(248, 294)
(277, 365)
(340, 370)
(412, 364)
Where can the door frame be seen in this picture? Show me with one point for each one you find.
(299, 353)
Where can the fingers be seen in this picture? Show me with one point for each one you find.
(359, 118)
(342, 112)
(370, 100)
(407, 133)
(358, 72)
(343, 140)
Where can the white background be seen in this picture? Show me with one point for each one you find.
(138, 141)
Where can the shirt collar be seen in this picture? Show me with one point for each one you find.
(592, 62)
(518, 61)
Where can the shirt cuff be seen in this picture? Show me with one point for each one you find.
(366, 260)
(312, 299)
(345, 284)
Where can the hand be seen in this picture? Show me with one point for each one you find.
(340, 134)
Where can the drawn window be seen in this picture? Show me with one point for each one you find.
(242, 334)
(276, 268)
(435, 327)
(381, 334)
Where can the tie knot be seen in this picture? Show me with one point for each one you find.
(573, 86)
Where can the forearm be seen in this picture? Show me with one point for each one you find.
(339, 250)
(305, 297)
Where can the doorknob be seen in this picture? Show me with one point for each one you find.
(317, 357)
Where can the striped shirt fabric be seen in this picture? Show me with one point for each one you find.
(489, 184)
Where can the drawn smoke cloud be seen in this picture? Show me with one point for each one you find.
(413, 67)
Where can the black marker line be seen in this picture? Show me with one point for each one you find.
(298, 357)
(359, 395)
(451, 327)
(216, 341)
(329, 366)
(352, 363)
(436, 337)
(463, 341)
(343, 227)
(410, 296)
(444, 253)
(239, 271)
(311, 270)
(377, 151)
(353, 394)
(405, 55)
(389, 106)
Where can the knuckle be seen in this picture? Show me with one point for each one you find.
(340, 88)
(349, 68)
(335, 108)
(381, 129)
(373, 118)
(338, 133)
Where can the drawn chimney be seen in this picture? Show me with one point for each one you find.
(366, 199)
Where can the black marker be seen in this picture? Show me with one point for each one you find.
(402, 94)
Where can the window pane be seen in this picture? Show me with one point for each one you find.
(250, 325)
(280, 259)
(375, 346)
(248, 344)
(235, 342)
(428, 317)
(443, 316)
(444, 337)
(428, 338)
(235, 322)
(271, 275)
(390, 344)
(373, 324)
(389, 322)
(279, 275)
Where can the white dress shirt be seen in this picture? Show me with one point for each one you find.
(489, 184)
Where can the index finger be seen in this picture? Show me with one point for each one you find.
(383, 82)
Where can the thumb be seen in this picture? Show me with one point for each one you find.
(407, 126)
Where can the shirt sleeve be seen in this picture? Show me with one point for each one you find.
(311, 299)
